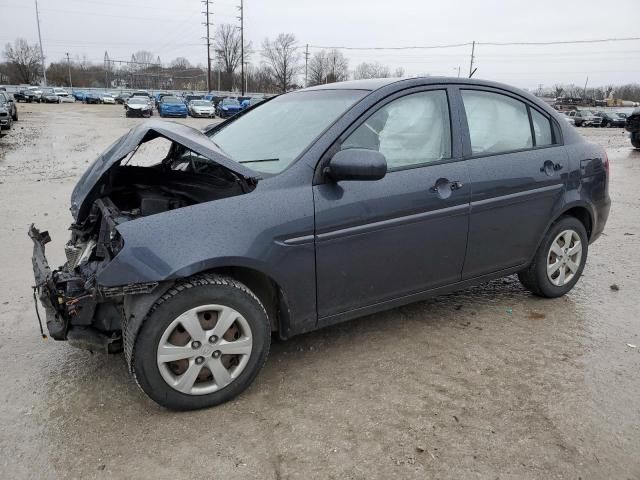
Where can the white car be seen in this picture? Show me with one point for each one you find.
(201, 108)
(64, 95)
(106, 98)
(568, 119)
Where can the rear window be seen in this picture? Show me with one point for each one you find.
(541, 129)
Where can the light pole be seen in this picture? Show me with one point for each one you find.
(44, 72)
(69, 67)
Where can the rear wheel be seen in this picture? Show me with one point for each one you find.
(202, 343)
(559, 261)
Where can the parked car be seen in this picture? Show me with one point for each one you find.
(79, 95)
(9, 103)
(92, 97)
(612, 119)
(63, 95)
(172, 107)
(250, 102)
(189, 97)
(138, 107)
(228, 107)
(122, 97)
(158, 96)
(315, 207)
(215, 99)
(585, 118)
(49, 96)
(27, 96)
(141, 93)
(633, 127)
(107, 98)
(565, 116)
(6, 119)
(37, 92)
(201, 108)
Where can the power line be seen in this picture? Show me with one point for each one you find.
(493, 44)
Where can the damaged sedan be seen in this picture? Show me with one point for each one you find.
(190, 249)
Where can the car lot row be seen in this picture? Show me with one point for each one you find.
(595, 118)
(166, 103)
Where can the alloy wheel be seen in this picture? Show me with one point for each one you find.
(204, 349)
(564, 258)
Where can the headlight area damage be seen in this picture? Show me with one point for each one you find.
(111, 192)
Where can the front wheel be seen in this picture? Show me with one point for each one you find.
(635, 139)
(202, 343)
(559, 261)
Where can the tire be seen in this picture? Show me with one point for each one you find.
(162, 326)
(635, 139)
(535, 278)
(15, 115)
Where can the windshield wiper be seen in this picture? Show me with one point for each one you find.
(263, 160)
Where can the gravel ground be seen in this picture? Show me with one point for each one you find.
(490, 382)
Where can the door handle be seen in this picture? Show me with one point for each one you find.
(549, 167)
(443, 187)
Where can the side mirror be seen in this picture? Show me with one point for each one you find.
(356, 164)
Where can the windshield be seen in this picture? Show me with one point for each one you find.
(200, 103)
(139, 100)
(171, 100)
(230, 101)
(272, 135)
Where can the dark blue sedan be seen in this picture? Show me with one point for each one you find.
(172, 107)
(228, 107)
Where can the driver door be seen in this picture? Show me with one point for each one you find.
(405, 233)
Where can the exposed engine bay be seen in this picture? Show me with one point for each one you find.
(86, 314)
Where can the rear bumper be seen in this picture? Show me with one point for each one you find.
(602, 214)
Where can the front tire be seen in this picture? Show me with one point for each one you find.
(202, 343)
(635, 139)
(559, 260)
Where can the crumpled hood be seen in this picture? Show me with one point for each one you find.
(87, 187)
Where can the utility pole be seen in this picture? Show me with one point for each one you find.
(44, 72)
(241, 17)
(219, 68)
(206, 2)
(585, 88)
(306, 66)
(473, 51)
(69, 66)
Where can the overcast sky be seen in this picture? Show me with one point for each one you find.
(172, 28)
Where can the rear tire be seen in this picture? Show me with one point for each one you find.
(187, 383)
(559, 260)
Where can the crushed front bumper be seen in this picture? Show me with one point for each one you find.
(45, 286)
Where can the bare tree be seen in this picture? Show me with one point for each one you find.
(283, 59)
(371, 70)
(399, 73)
(558, 90)
(226, 43)
(180, 63)
(25, 60)
(328, 67)
(143, 56)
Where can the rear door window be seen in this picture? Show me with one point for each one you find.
(497, 123)
(541, 129)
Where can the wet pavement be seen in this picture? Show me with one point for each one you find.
(490, 382)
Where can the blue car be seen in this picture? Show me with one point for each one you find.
(172, 107)
(228, 107)
(79, 95)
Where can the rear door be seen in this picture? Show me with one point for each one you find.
(518, 171)
(406, 233)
